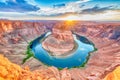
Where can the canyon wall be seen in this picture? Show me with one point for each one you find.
(15, 36)
(11, 71)
(12, 31)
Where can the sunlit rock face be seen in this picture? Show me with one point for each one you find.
(60, 42)
(5, 26)
(11, 71)
(114, 75)
(8, 70)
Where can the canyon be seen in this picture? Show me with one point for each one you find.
(15, 36)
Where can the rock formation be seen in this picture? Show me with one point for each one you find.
(59, 42)
(8, 70)
(104, 35)
(11, 71)
(114, 75)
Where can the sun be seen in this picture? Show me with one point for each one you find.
(69, 24)
(71, 18)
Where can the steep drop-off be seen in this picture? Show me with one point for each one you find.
(11, 71)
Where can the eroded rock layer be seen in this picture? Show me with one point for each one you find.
(114, 75)
(59, 42)
(10, 71)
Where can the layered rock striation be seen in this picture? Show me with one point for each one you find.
(59, 42)
(11, 71)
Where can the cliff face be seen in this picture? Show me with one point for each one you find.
(5, 26)
(114, 75)
(10, 71)
(15, 31)
(106, 30)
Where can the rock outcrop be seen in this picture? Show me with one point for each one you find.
(12, 32)
(8, 70)
(114, 75)
(116, 33)
(60, 42)
(11, 71)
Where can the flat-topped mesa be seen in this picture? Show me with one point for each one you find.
(60, 42)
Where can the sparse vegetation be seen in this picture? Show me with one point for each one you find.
(29, 53)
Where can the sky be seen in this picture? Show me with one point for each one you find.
(95, 10)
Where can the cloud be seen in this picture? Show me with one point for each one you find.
(110, 15)
(77, 10)
(52, 2)
(59, 5)
(82, 5)
(59, 9)
(17, 6)
(28, 7)
(96, 9)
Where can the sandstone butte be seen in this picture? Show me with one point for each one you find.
(11, 71)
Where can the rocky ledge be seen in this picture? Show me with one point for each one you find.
(11, 71)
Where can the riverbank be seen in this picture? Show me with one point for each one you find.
(30, 53)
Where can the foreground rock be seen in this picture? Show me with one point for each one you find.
(10, 71)
(115, 75)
